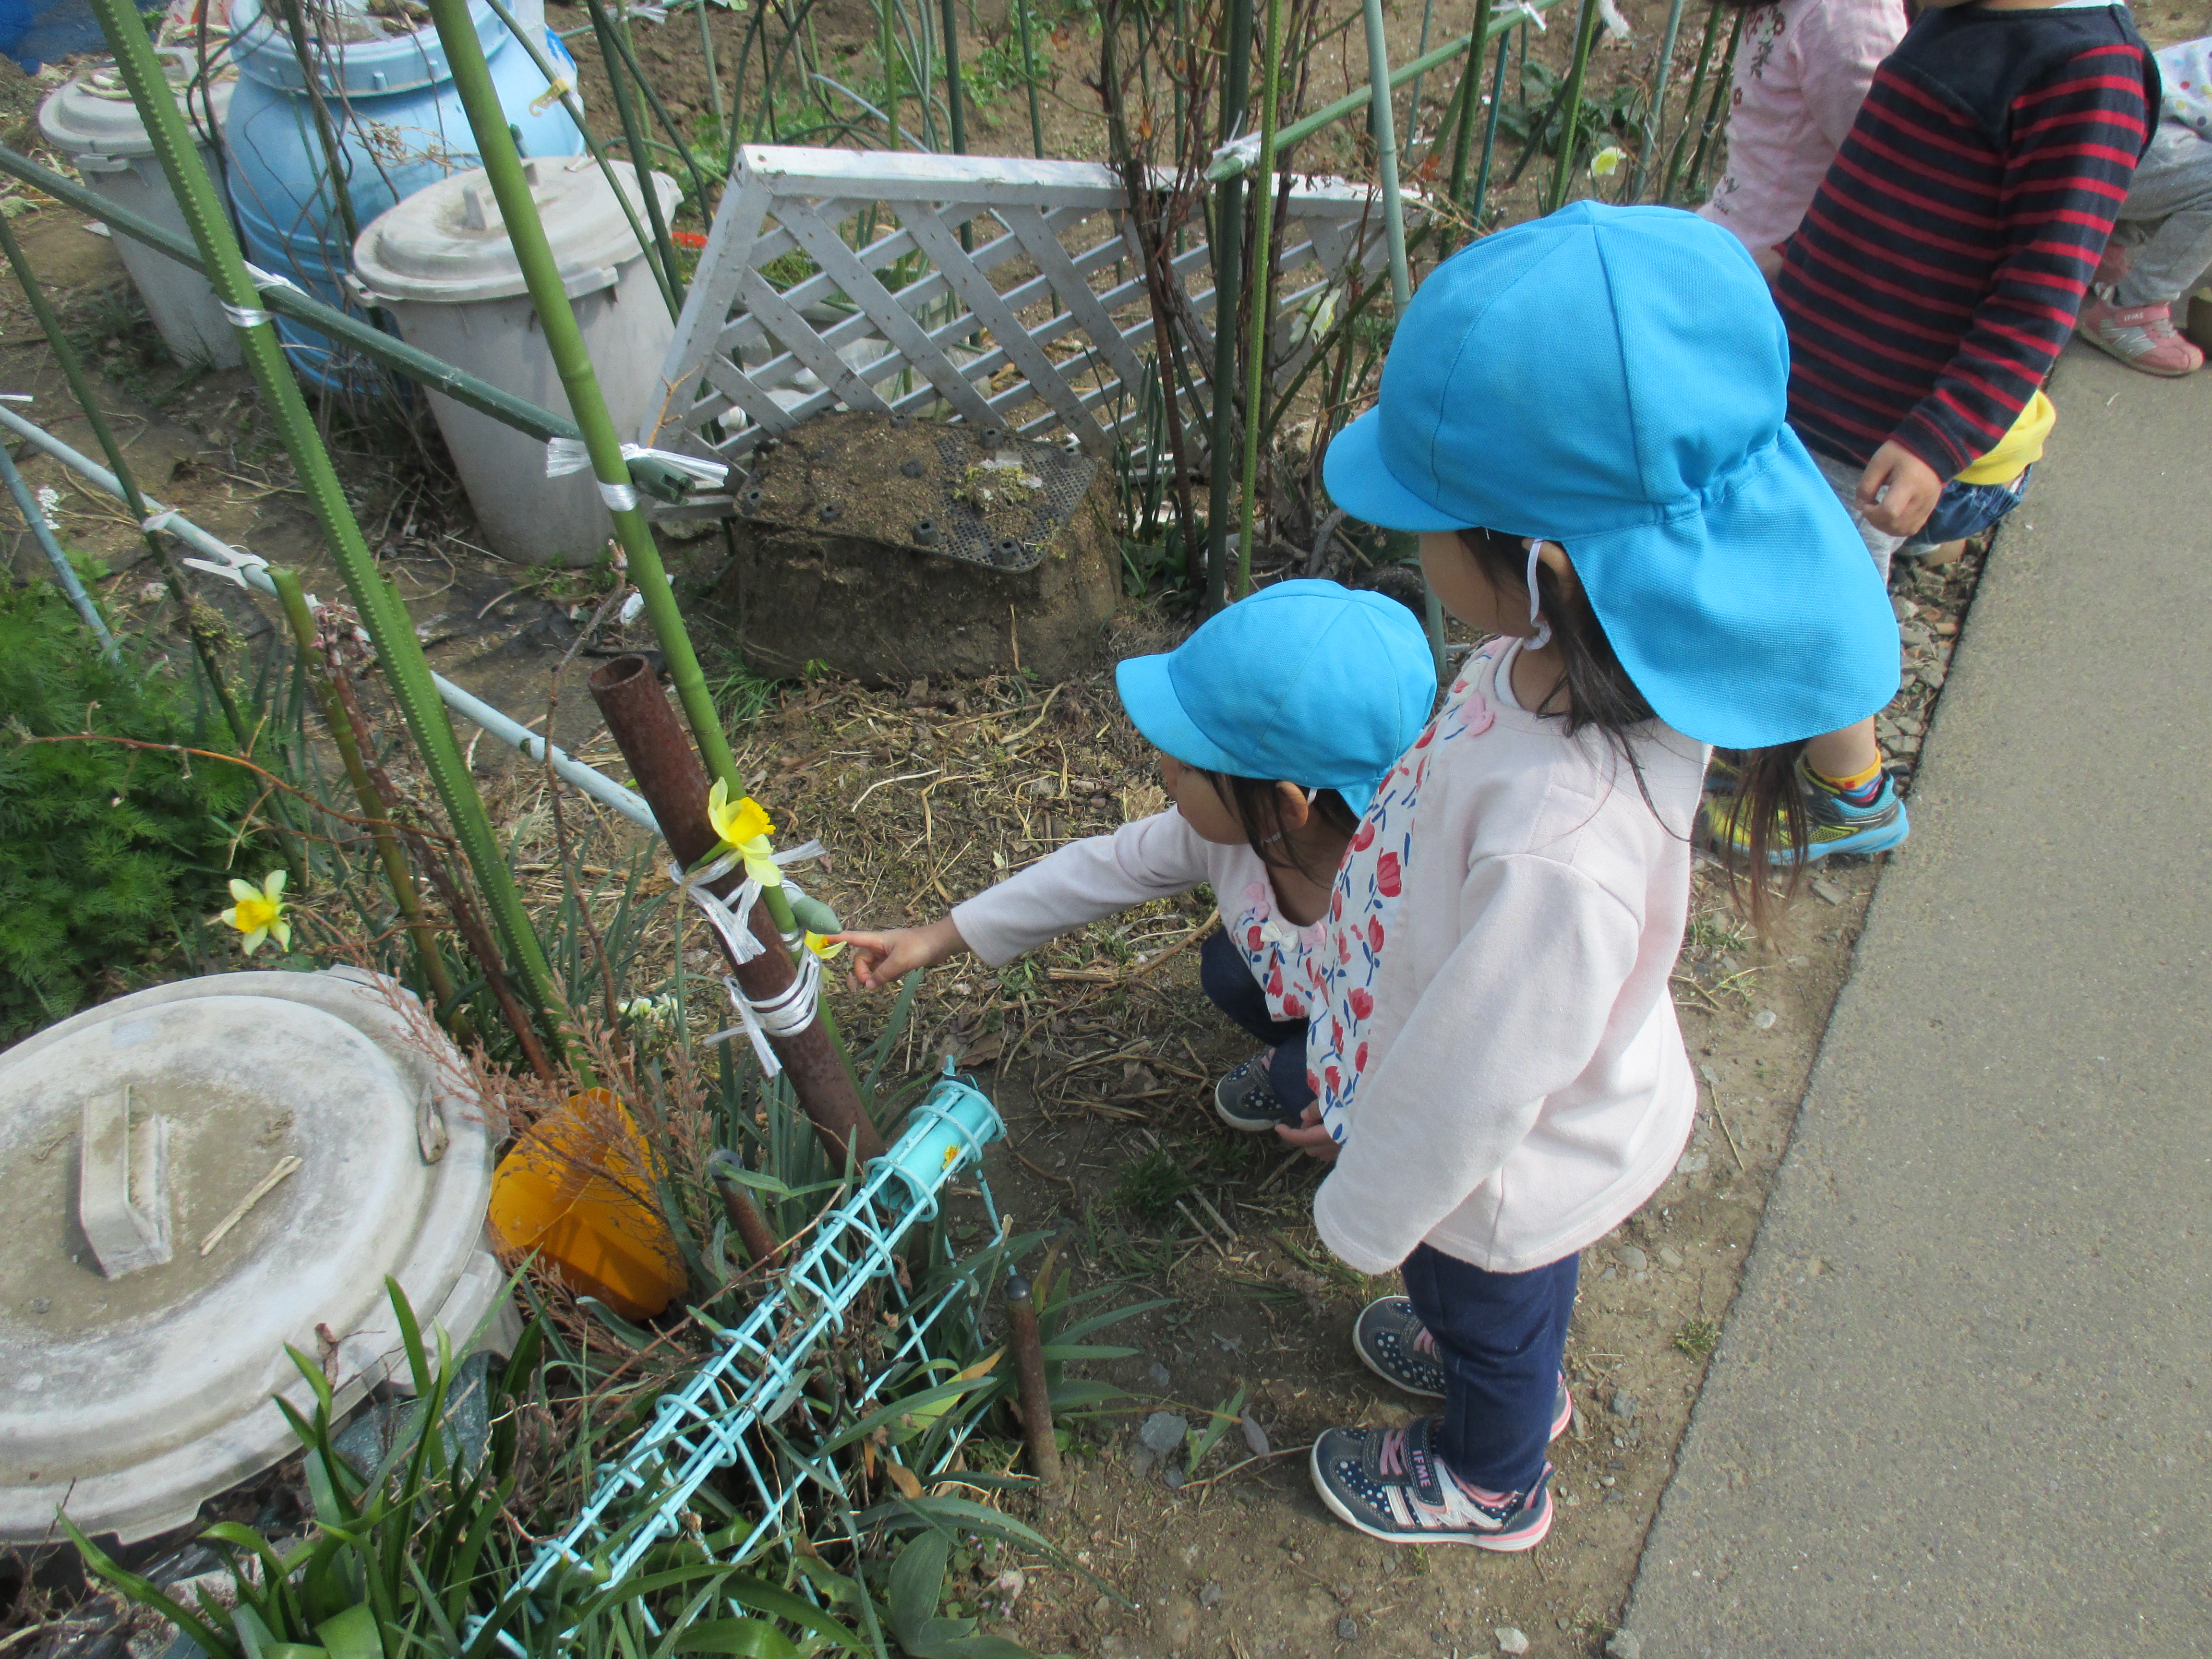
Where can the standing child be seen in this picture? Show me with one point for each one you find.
(1274, 721)
(1933, 283)
(1494, 1045)
(1801, 70)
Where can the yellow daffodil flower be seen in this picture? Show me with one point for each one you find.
(259, 913)
(1606, 161)
(820, 944)
(746, 827)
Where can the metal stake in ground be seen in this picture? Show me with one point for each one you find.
(669, 776)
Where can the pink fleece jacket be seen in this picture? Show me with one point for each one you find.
(1802, 71)
(1492, 1035)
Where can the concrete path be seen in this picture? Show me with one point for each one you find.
(1963, 1406)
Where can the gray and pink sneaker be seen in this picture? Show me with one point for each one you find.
(1390, 1484)
(2142, 336)
(1392, 1342)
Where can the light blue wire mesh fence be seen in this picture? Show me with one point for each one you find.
(748, 1409)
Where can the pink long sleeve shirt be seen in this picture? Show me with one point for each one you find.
(1493, 1041)
(1802, 70)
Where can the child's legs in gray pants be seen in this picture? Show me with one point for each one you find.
(2171, 196)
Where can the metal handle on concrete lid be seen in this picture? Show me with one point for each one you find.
(123, 1186)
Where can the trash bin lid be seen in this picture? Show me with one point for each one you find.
(194, 1177)
(446, 244)
(92, 114)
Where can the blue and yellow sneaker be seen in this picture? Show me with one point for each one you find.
(1834, 823)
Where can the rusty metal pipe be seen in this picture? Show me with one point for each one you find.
(1027, 1350)
(674, 784)
(744, 1216)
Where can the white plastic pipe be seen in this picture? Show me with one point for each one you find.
(516, 736)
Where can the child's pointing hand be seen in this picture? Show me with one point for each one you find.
(883, 959)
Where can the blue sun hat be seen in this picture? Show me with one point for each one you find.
(1615, 380)
(1306, 683)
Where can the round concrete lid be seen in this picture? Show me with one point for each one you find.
(92, 113)
(446, 244)
(133, 1386)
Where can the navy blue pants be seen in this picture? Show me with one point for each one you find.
(1501, 1337)
(1227, 980)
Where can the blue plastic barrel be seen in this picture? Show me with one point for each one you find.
(401, 127)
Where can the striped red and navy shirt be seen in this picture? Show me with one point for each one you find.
(1937, 274)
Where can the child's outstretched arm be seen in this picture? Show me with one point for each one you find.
(1514, 1015)
(1082, 881)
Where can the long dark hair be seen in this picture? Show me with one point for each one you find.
(1594, 693)
(1258, 808)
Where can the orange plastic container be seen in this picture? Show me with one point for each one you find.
(579, 1189)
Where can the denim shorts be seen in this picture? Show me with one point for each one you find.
(1968, 509)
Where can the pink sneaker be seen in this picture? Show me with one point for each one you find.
(2142, 336)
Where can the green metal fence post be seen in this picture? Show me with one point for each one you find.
(389, 626)
(1655, 121)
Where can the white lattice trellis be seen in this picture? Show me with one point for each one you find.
(911, 318)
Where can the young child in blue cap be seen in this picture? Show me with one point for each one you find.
(1582, 417)
(1274, 720)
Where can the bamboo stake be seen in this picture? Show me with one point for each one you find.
(1470, 94)
(641, 156)
(1571, 119)
(1228, 283)
(1690, 107)
(1030, 74)
(599, 151)
(1656, 120)
(381, 612)
(1713, 110)
(564, 342)
(397, 875)
(1263, 289)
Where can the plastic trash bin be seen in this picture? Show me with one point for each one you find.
(91, 120)
(440, 263)
(402, 129)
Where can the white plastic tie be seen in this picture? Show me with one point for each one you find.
(566, 455)
(233, 563)
(264, 280)
(1528, 14)
(791, 1011)
(247, 316)
(619, 498)
(1244, 153)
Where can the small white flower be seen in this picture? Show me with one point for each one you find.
(1606, 161)
(50, 500)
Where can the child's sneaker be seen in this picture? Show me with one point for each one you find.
(1833, 822)
(2142, 336)
(1391, 1342)
(1388, 1484)
(1246, 1100)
